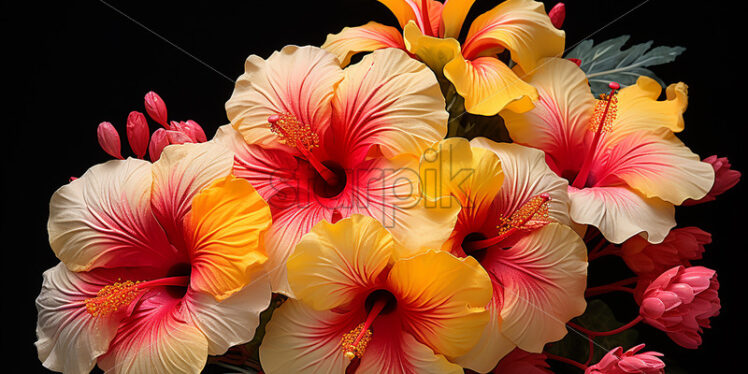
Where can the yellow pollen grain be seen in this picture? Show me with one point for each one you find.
(350, 350)
(111, 297)
(292, 132)
(532, 214)
(610, 116)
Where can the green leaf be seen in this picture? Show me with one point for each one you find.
(607, 62)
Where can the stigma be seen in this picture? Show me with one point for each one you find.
(292, 132)
(355, 341)
(112, 297)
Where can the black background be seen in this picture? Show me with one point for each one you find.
(76, 64)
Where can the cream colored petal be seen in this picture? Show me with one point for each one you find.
(621, 213)
(69, 339)
(104, 219)
(543, 275)
(560, 119)
(299, 339)
(397, 352)
(232, 321)
(365, 38)
(180, 173)
(296, 80)
(389, 100)
(527, 175)
(334, 262)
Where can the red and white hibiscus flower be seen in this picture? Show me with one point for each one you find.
(322, 143)
(625, 167)
(161, 265)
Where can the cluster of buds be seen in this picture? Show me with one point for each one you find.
(680, 247)
(619, 362)
(138, 131)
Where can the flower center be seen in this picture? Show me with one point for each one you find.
(533, 214)
(119, 294)
(297, 135)
(353, 344)
(322, 188)
(605, 112)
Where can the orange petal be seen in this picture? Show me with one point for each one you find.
(453, 15)
(224, 233)
(366, 38)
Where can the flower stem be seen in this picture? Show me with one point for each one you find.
(565, 360)
(606, 333)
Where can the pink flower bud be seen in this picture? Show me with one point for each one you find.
(178, 137)
(109, 140)
(72, 179)
(138, 133)
(156, 108)
(576, 61)
(197, 131)
(159, 141)
(619, 362)
(679, 248)
(557, 15)
(724, 179)
(680, 302)
(519, 361)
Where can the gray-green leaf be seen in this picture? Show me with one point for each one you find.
(606, 62)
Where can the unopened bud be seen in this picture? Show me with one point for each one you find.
(159, 141)
(109, 139)
(156, 108)
(138, 133)
(557, 15)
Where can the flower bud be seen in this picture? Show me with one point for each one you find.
(724, 179)
(680, 302)
(576, 61)
(109, 139)
(159, 141)
(681, 246)
(156, 108)
(197, 131)
(617, 361)
(138, 133)
(557, 15)
(178, 137)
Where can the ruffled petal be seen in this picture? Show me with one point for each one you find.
(543, 276)
(299, 339)
(639, 109)
(396, 352)
(225, 231)
(69, 338)
(334, 263)
(389, 100)
(404, 10)
(104, 219)
(489, 86)
(180, 173)
(493, 345)
(453, 15)
(232, 321)
(434, 52)
(559, 122)
(657, 164)
(522, 27)
(441, 300)
(390, 191)
(365, 38)
(296, 80)
(620, 213)
(526, 175)
(159, 336)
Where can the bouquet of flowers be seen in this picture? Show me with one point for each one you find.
(411, 199)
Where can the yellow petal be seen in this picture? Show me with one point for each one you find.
(522, 26)
(639, 109)
(334, 262)
(366, 38)
(442, 299)
(489, 86)
(224, 232)
(453, 15)
(434, 52)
